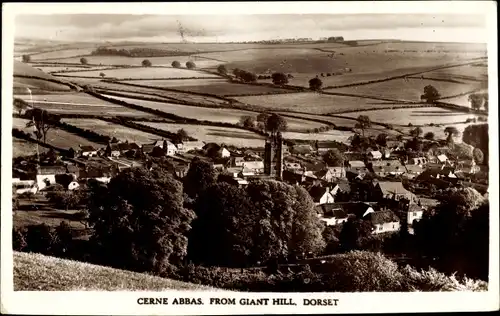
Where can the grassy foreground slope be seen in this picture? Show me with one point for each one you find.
(35, 272)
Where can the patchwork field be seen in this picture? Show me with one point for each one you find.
(312, 102)
(142, 73)
(56, 137)
(228, 136)
(371, 62)
(37, 86)
(219, 87)
(79, 103)
(137, 61)
(114, 130)
(415, 116)
(406, 90)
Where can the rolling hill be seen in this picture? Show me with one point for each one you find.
(42, 83)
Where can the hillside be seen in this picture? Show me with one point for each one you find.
(36, 85)
(35, 272)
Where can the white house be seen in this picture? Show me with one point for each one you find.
(383, 222)
(257, 167)
(73, 185)
(375, 154)
(24, 186)
(46, 175)
(224, 153)
(170, 148)
(442, 158)
(332, 215)
(88, 151)
(321, 195)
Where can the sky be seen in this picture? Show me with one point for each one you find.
(224, 28)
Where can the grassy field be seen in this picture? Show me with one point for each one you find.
(340, 136)
(79, 103)
(312, 102)
(36, 272)
(477, 72)
(462, 100)
(54, 68)
(228, 136)
(55, 136)
(36, 85)
(21, 148)
(200, 113)
(61, 54)
(406, 90)
(415, 116)
(136, 61)
(114, 130)
(142, 73)
(211, 86)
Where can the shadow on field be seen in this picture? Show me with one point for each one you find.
(62, 215)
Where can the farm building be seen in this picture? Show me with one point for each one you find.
(215, 150)
(413, 171)
(257, 167)
(375, 155)
(46, 175)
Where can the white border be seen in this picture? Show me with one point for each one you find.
(118, 303)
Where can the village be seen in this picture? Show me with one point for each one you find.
(369, 185)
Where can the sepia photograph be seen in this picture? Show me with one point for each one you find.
(267, 152)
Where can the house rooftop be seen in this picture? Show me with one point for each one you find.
(382, 217)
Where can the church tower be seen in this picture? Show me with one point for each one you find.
(273, 156)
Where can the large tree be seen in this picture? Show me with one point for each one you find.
(334, 158)
(476, 101)
(315, 84)
(247, 121)
(138, 220)
(199, 177)
(176, 64)
(276, 123)
(221, 233)
(416, 132)
(26, 58)
(222, 70)
(451, 131)
(431, 94)
(43, 121)
(285, 220)
(478, 136)
(84, 61)
(279, 78)
(363, 123)
(429, 136)
(146, 63)
(190, 65)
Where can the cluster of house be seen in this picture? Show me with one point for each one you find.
(329, 186)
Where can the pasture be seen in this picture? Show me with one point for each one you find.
(61, 53)
(439, 130)
(142, 73)
(137, 61)
(37, 86)
(58, 68)
(113, 130)
(201, 113)
(478, 72)
(228, 136)
(415, 116)
(340, 136)
(79, 103)
(312, 102)
(149, 91)
(462, 100)
(219, 87)
(21, 147)
(55, 137)
(406, 89)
